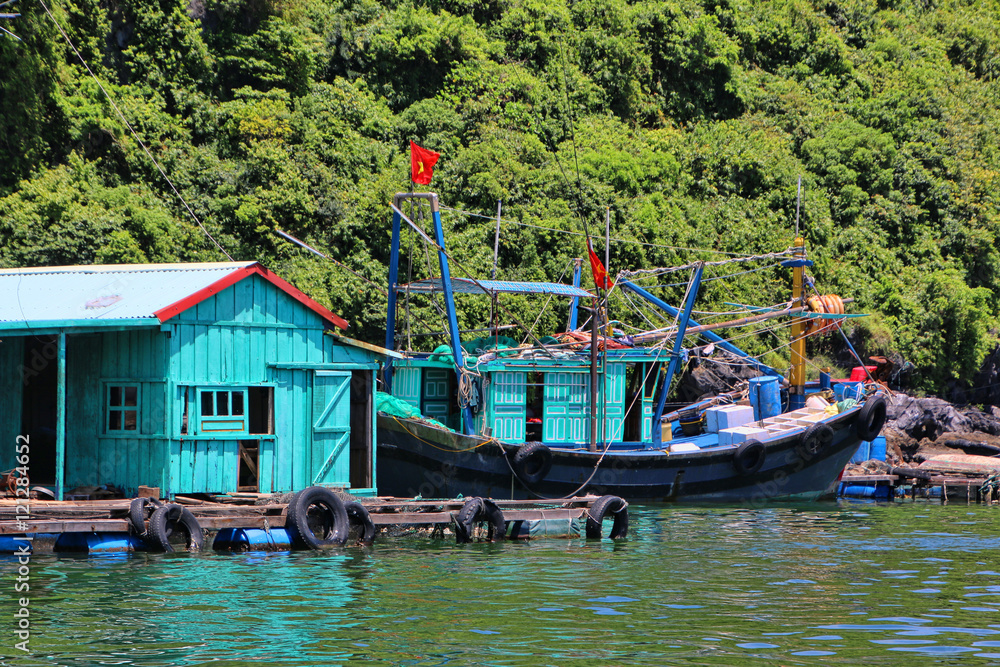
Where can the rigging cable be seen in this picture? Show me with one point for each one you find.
(518, 223)
(546, 304)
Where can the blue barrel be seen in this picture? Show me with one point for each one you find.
(878, 448)
(252, 539)
(878, 492)
(863, 453)
(824, 380)
(12, 544)
(765, 397)
(843, 390)
(98, 543)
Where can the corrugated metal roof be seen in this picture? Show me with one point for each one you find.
(103, 292)
(466, 286)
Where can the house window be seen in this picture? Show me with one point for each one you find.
(123, 408)
(222, 410)
(227, 411)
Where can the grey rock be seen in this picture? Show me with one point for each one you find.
(923, 418)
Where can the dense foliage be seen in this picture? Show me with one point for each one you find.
(691, 121)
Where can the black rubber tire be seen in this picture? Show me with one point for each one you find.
(532, 462)
(165, 521)
(137, 511)
(475, 510)
(357, 515)
(871, 418)
(816, 438)
(466, 517)
(749, 457)
(597, 512)
(335, 524)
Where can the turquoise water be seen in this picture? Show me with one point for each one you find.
(813, 584)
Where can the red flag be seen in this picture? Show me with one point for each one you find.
(600, 275)
(422, 163)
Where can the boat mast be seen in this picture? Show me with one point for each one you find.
(607, 266)
(390, 324)
(607, 332)
(449, 303)
(797, 376)
(449, 298)
(594, 324)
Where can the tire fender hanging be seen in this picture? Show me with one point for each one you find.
(871, 418)
(532, 462)
(475, 510)
(329, 519)
(357, 515)
(597, 512)
(815, 439)
(166, 521)
(749, 457)
(137, 511)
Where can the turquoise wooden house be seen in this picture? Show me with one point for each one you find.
(194, 378)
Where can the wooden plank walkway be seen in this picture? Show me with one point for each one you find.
(101, 516)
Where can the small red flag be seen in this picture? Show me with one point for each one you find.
(422, 163)
(600, 275)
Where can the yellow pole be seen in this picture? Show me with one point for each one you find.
(797, 379)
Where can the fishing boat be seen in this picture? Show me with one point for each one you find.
(586, 412)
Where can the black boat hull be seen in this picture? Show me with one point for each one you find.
(415, 459)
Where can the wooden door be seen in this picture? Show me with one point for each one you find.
(329, 462)
(507, 396)
(566, 408)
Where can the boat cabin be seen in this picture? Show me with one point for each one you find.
(191, 378)
(538, 399)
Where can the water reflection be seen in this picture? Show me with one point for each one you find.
(783, 584)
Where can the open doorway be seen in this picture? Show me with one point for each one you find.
(362, 436)
(260, 421)
(38, 406)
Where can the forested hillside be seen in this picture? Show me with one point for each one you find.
(691, 120)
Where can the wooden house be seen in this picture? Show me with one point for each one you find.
(194, 378)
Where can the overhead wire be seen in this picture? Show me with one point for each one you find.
(568, 232)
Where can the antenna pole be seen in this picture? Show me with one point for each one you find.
(496, 253)
(607, 239)
(798, 205)
(496, 241)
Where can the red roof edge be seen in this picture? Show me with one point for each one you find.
(174, 309)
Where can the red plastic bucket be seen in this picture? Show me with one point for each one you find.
(858, 373)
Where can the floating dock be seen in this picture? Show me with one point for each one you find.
(250, 522)
(912, 484)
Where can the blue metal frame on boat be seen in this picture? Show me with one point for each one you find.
(715, 338)
(490, 287)
(682, 323)
(530, 433)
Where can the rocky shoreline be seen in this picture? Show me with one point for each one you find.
(920, 428)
